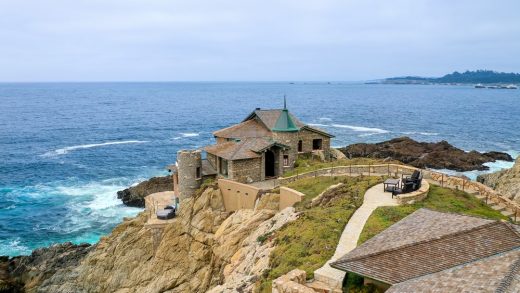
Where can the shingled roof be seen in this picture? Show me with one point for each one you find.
(427, 243)
(270, 117)
(246, 129)
(248, 148)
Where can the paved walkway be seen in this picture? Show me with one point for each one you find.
(374, 197)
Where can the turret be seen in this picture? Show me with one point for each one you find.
(189, 170)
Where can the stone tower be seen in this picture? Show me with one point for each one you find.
(189, 170)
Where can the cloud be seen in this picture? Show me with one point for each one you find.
(253, 40)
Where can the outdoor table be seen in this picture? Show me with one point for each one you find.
(390, 184)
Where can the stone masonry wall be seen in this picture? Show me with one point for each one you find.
(246, 171)
(188, 161)
(308, 136)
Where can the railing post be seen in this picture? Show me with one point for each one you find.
(388, 169)
(442, 179)
(463, 181)
(350, 168)
(369, 169)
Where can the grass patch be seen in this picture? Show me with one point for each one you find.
(311, 240)
(439, 199)
(305, 164)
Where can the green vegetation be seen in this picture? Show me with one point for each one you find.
(478, 76)
(311, 240)
(307, 164)
(439, 199)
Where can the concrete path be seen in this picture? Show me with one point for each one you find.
(374, 197)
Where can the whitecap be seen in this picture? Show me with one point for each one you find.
(190, 134)
(361, 128)
(421, 133)
(325, 119)
(317, 124)
(66, 150)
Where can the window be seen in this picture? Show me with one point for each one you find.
(223, 165)
(316, 144)
(286, 160)
(300, 146)
(198, 173)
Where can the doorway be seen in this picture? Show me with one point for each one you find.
(269, 164)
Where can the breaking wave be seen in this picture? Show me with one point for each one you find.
(66, 150)
(361, 128)
(421, 133)
(186, 134)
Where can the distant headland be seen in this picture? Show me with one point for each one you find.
(487, 77)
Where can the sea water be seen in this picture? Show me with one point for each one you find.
(67, 148)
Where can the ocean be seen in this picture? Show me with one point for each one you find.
(67, 148)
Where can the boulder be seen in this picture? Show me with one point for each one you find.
(438, 155)
(505, 182)
(134, 196)
(27, 273)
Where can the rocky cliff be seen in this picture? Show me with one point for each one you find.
(505, 182)
(26, 273)
(134, 196)
(439, 155)
(204, 248)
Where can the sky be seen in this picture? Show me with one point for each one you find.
(212, 40)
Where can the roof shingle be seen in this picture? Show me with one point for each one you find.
(426, 243)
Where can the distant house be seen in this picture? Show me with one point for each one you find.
(264, 145)
(430, 251)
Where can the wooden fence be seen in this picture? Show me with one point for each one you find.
(396, 170)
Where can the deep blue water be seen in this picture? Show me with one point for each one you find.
(66, 148)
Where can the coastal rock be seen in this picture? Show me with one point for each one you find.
(204, 247)
(27, 273)
(134, 196)
(439, 155)
(505, 182)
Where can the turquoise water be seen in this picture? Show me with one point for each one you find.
(66, 148)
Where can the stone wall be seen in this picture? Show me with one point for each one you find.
(245, 171)
(415, 196)
(187, 163)
(308, 136)
(290, 139)
(237, 195)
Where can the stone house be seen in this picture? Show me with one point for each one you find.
(264, 145)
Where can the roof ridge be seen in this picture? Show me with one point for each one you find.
(240, 144)
(514, 269)
(421, 242)
(230, 126)
(510, 226)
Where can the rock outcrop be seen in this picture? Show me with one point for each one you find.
(27, 273)
(439, 155)
(204, 247)
(134, 196)
(505, 182)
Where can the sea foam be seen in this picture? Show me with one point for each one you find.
(361, 128)
(66, 150)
